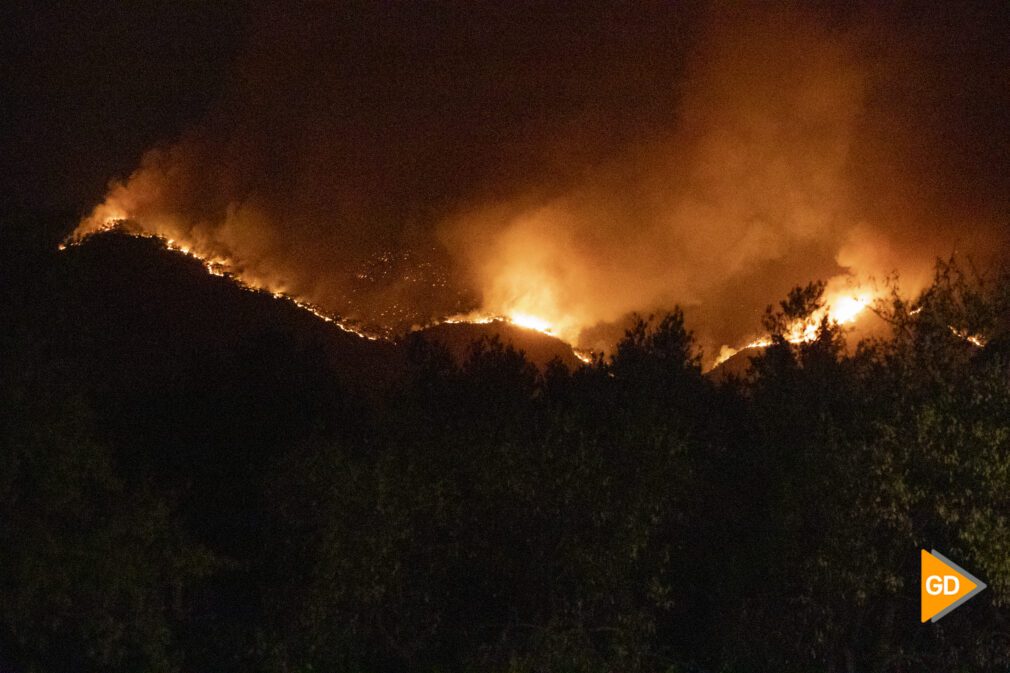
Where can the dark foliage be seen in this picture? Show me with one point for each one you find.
(198, 478)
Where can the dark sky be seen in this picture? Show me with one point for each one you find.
(576, 161)
(89, 86)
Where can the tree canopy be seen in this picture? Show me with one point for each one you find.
(232, 504)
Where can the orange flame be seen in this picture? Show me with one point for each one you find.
(213, 264)
(841, 309)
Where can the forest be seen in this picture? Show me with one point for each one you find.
(196, 478)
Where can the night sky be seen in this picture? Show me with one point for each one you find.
(89, 86)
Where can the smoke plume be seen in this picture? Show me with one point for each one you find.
(566, 169)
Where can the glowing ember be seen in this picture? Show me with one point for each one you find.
(973, 339)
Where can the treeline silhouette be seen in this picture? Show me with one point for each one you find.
(193, 478)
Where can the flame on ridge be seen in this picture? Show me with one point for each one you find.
(523, 320)
(842, 309)
(214, 265)
(112, 220)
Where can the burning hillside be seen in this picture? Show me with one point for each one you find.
(456, 334)
(766, 156)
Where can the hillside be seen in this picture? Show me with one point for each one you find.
(136, 311)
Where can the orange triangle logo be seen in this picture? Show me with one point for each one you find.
(944, 586)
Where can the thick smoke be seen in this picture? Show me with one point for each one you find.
(401, 166)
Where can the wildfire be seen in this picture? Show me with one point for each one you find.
(843, 309)
(214, 265)
(523, 320)
(973, 339)
(217, 265)
(526, 301)
(530, 322)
